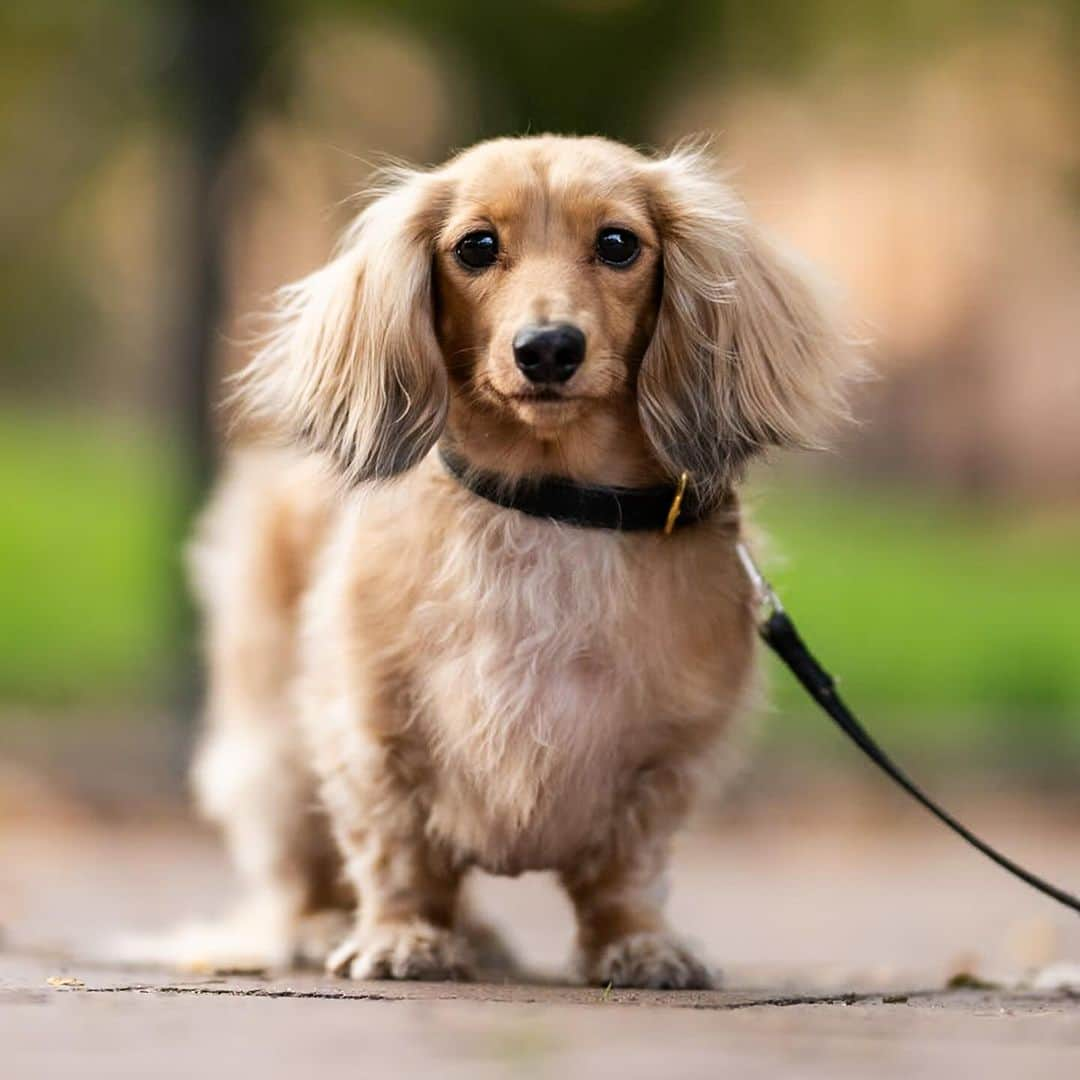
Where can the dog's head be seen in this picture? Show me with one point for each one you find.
(566, 297)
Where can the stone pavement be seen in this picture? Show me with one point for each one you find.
(837, 944)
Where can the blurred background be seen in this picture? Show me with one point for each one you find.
(167, 164)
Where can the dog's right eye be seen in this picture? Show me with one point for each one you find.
(477, 250)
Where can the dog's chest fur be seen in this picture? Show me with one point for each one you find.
(544, 666)
(532, 706)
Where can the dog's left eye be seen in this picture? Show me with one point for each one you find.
(617, 247)
(477, 250)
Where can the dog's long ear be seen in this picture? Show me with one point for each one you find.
(743, 355)
(351, 366)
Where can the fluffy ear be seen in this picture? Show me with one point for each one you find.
(351, 365)
(743, 356)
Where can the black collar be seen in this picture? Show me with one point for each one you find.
(662, 508)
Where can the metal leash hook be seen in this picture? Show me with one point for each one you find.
(766, 596)
(778, 632)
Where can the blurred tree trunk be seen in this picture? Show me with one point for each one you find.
(222, 53)
(219, 50)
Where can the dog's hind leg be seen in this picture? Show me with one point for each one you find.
(250, 562)
(294, 905)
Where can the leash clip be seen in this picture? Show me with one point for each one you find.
(763, 591)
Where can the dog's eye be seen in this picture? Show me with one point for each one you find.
(617, 247)
(477, 250)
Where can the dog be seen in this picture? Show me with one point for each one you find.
(411, 676)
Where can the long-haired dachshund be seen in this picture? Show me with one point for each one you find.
(486, 610)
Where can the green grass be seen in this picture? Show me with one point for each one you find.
(964, 622)
(946, 624)
(86, 555)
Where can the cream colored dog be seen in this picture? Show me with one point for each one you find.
(408, 680)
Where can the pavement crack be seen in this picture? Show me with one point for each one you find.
(234, 991)
(787, 1000)
(771, 1001)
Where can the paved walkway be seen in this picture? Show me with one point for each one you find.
(837, 947)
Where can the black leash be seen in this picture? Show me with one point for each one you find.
(779, 633)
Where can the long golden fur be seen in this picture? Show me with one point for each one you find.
(408, 681)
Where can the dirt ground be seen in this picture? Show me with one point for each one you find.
(836, 942)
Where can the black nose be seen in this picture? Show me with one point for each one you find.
(550, 353)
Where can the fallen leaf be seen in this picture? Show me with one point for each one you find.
(965, 980)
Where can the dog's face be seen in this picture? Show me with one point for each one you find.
(552, 292)
(547, 280)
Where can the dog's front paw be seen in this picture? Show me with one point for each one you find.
(403, 951)
(654, 961)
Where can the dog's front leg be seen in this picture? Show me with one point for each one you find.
(407, 889)
(618, 886)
